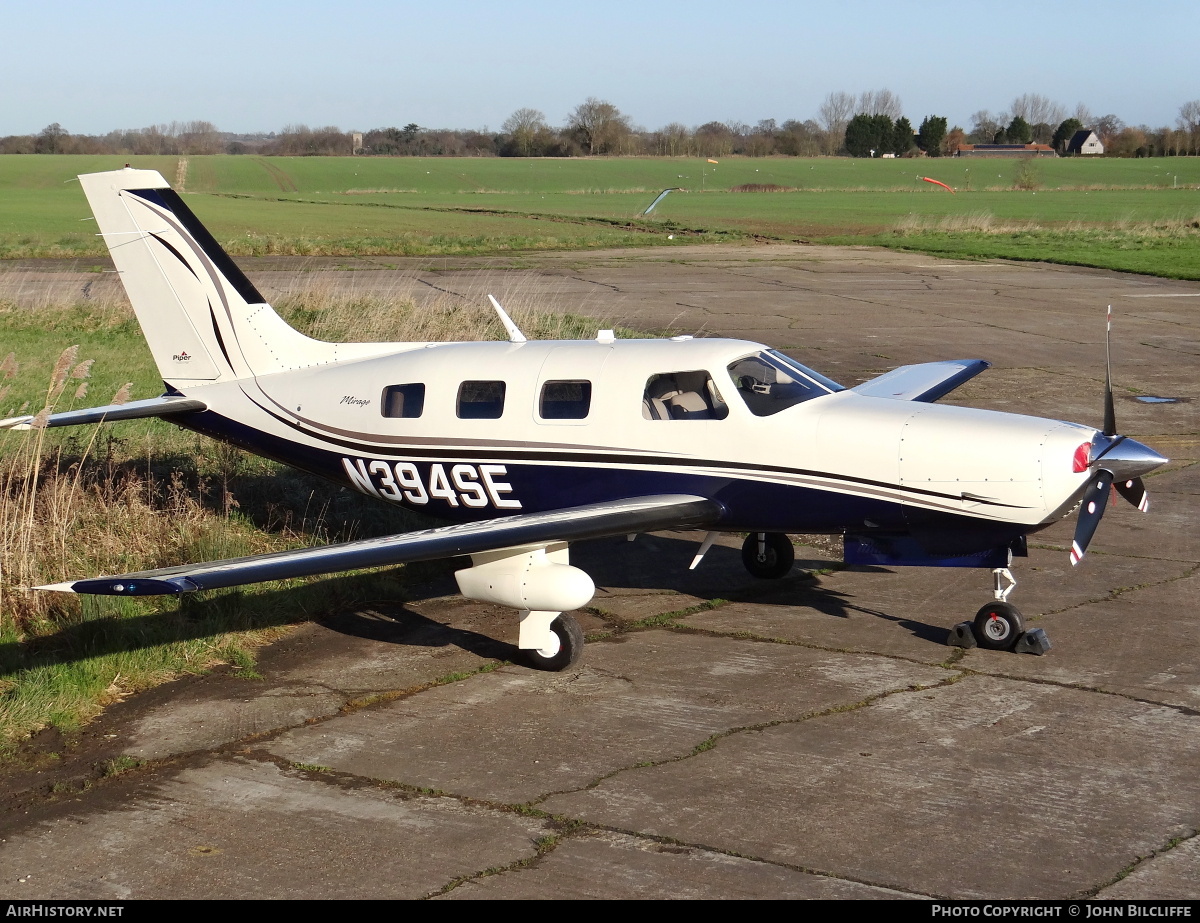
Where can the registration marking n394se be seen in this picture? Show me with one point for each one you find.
(473, 486)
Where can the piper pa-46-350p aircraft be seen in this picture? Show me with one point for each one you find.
(529, 446)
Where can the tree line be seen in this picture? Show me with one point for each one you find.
(869, 124)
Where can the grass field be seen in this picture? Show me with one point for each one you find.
(1139, 215)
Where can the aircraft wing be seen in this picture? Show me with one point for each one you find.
(151, 407)
(636, 514)
(925, 382)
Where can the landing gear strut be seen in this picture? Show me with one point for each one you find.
(768, 555)
(564, 649)
(998, 626)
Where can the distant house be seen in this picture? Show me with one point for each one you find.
(1084, 141)
(1005, 150)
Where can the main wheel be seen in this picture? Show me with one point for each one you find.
(998, 625)
(566, 646)
(775, 558)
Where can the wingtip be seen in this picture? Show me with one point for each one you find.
(58, 587)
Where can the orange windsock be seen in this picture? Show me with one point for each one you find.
(937, 182)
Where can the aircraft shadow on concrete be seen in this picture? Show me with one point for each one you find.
(654, 563)
(397, 624)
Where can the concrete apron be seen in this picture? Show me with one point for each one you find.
(811, 737)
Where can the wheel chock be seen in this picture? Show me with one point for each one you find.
(962, 635)
(1033, 641)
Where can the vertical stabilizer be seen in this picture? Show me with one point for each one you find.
(204, 320)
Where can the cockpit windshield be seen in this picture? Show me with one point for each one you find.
(770, 382)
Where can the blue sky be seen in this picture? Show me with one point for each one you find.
(359, 64)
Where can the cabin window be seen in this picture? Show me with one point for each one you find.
(480, 400)
(403, 400)
(565, 400)
(683, 396)
(769, 382)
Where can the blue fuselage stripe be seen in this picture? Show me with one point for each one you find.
(751, 504)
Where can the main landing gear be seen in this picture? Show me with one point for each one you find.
(769, 555)
(564, 649)
(998, 626)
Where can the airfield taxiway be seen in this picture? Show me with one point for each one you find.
(723, 737)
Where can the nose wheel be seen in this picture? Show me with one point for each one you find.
(999, 626)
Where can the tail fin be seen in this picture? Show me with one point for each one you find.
(203, 319)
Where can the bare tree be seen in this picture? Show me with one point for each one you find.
(1108, 127)
(597, 123)
(984, 126)
(1037, 109)
(53, 139)
(524, 125)
(672, 139)
(834, 116)
(1083, 114)
(1189, 123)
(199, 138)
(760, 140)
(715, 139)
(880, 102)
(800, 139)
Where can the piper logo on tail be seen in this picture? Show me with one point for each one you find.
(181, 356)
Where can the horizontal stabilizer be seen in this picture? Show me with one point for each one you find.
(134, 410)
(925, 382)
(638, 514)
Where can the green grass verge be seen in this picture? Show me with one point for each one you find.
(346, 206)
(1174, 257)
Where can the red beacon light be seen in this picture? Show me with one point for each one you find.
(1082, 459)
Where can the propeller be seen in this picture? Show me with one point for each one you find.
(1117, 461)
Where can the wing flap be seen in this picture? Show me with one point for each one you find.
(925, 382)
(636, 514)
(134, 410)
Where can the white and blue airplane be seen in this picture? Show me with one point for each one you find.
(529, 446)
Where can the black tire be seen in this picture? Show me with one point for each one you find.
(569, 637)
(998, 626)
(776, 560)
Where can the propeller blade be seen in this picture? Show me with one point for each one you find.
(1134, 490)
(1110, 413)
(1091, 509)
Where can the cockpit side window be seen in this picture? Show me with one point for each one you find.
(689, 395)
(769, 382)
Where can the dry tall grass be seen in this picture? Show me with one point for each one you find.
(986, 223)
(407, 309)
(67, 508)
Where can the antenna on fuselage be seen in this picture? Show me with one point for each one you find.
(514, 332)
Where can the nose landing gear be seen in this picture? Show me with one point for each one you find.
(999, 626)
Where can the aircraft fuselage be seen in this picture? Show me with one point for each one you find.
(835, 461)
